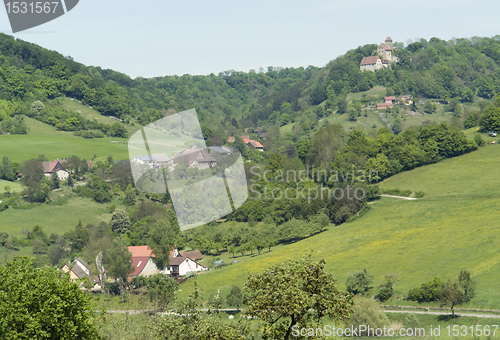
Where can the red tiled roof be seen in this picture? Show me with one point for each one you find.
(141, 251)
(369, 60)
(230, 139)
(48, 167)
(385, 47)
(246, 139)
(384, 105)
(385, 61)
(390, 98)
(255, 144)
(139, 263)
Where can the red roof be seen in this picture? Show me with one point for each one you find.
(246, 139)
(255, 144)
(389, 98)
(230, 139)
(141, 251)
(385, 47)
(369, 60)
(385, 61)
(139, 263)
(48, 167)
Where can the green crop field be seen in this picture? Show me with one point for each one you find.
(453, 227)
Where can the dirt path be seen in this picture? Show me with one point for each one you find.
(402, 197)
(476, 315)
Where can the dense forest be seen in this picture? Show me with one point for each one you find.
(460, 69)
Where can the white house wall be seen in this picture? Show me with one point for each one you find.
(149, 269)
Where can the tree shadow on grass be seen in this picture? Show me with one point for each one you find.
(447, 317)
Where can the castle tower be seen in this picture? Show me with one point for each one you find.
(388, 42)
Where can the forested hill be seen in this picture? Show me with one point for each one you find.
(231, 100)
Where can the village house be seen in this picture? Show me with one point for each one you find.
(77, 270)
(223, 150)
(49, 168)
(255, 145)
(250, 143)
(181, 264)
(155, 160)
(195, 158)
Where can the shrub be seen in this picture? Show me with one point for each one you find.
(479, 140)
(359, 282)
(427, 292)
(419, 194)
(367, 312)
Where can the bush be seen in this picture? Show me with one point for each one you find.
(479, 140)
(386, 288)
(367, 312)
(427, 292)
(419, 194)
(359, 282)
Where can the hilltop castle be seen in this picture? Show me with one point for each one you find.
(383, 60)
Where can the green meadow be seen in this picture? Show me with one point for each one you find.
(54, 218)
(376, 91)
(454, 227)
(45, 139)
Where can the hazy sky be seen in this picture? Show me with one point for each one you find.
(155, 38)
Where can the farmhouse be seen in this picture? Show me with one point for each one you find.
(78, 270)
(50, 167)
(255, 145)
(181, 264)
(195, 158)
(223, 150)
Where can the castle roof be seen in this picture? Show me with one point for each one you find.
(369, 60)
(385, 47)
(388, 39)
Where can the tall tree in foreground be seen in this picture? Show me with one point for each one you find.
(296, 292)
(39, 303)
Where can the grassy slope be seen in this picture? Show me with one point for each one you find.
(453, 227)
(54, 218)
(14, 186)
(45, 139)
(375, 92)
(91, 114)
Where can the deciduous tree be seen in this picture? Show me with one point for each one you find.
(40, 303)
(283, 295)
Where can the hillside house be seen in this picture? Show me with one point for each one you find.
(49, 168)
(223, 150)
(77, 270)
(181, 264)
(255, 145)
(230, 139)
(195, 158)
